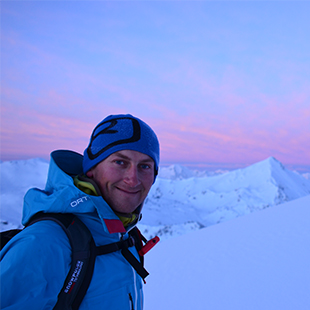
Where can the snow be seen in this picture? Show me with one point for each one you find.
(229, 240)
(179, 172)
(259, 261)
(195, 202)
(16, 177)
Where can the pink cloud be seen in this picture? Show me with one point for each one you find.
(199, 117)
(184, 140)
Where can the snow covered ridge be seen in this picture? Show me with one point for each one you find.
(214, 199)
(181, 199)
(179, 172)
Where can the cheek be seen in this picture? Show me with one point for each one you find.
(148, 183)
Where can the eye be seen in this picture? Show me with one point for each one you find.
(146, 166)
(120, 162)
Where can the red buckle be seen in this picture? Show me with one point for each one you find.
(148, 246)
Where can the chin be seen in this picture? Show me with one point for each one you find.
(124, 210)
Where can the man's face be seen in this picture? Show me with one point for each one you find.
(124, 179)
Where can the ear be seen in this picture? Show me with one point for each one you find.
(90, 173)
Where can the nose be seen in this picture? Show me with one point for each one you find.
(131, 176)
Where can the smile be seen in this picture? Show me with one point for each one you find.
(129, 192)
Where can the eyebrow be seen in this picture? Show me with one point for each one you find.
(146, 160)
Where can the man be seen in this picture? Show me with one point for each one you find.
(105, 189)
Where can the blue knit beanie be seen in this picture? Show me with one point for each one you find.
(120, 132)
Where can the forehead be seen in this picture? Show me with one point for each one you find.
(132, 155)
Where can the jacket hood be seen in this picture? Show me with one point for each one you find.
(62, 196)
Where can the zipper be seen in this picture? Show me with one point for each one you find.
(131, 302)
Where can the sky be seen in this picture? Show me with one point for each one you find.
(220, 82)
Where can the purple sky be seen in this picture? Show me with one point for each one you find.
(220, 82)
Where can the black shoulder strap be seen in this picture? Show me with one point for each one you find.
(84, 252)
(142, 250)
(83, 258)
(123, 246)
(7, 235)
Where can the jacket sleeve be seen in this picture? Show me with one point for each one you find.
(34, 265)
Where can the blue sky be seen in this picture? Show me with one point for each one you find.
(219, 81)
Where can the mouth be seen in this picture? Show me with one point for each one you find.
(129, 192)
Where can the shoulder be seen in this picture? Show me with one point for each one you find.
(41, 237)
(38, 259)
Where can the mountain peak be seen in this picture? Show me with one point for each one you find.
(273, 160)
(269, 165)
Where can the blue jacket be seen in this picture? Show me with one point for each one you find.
(34, 264)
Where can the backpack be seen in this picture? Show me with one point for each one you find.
(84, 252)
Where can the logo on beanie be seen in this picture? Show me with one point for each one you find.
(111, 133)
